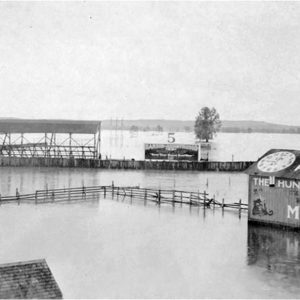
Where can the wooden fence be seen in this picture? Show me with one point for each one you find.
(122, 164)
(157, 196)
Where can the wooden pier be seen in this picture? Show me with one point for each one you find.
(157, 196)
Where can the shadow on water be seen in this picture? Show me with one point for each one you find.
(275, 250)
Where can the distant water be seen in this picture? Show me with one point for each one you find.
(115, 249)
(224, 147)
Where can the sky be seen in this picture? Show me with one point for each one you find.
(154, 60)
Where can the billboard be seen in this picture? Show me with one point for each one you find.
(188, 152)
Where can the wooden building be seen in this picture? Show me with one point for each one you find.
(274, 188)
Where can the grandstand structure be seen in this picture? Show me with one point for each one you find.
(50, 138)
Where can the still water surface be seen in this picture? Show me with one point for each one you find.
(116, 249)
(224, 147)
(111, 249)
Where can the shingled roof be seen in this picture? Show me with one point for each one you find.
(27, 280)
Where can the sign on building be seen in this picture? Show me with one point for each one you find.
(189, 152)
(274, 188)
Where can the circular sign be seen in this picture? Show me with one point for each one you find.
(276, 161)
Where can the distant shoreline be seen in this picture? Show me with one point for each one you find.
(188, 126)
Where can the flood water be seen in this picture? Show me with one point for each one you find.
(224, 147)
(117, 249)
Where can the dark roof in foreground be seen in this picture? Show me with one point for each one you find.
(27, 280)
(48, 126)
(282, 163)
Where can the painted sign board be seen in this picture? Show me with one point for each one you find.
(188, 152)
(274, 200)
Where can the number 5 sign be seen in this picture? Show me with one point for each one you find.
(171, 138)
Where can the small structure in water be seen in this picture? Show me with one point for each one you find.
(274, 188)
(28, 280)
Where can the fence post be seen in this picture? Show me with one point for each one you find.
(159, 196)
(18, 196)
(52, 196)
(118, 193)
(223, 205)
(214, 204)
(204, 200)
(105, 192)
(0, 199)
(112, 189)
(240, 208)
(145, 197)
(83, 192)
(181, 199)
(173, 198)
(35, 197)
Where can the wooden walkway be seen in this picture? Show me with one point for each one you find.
(157, 196)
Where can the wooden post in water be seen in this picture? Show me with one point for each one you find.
(214, 202)
(223, 206)
(112, 189)
(240, 208)
(145, 197)
(204, 200)
(83, 192)
(159, 197)
(18, 196)
(118, 189)
(173, 200)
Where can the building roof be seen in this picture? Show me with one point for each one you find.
(283, 163)
(48, 126)
(27, 280)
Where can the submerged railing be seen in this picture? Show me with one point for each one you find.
(157, 196)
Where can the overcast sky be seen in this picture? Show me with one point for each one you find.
(97, 60)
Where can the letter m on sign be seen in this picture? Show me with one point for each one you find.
(293, 212)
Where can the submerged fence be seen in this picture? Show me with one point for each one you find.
(157, 196)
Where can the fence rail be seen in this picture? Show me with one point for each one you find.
(158, 196)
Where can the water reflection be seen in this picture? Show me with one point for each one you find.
(275, 250)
